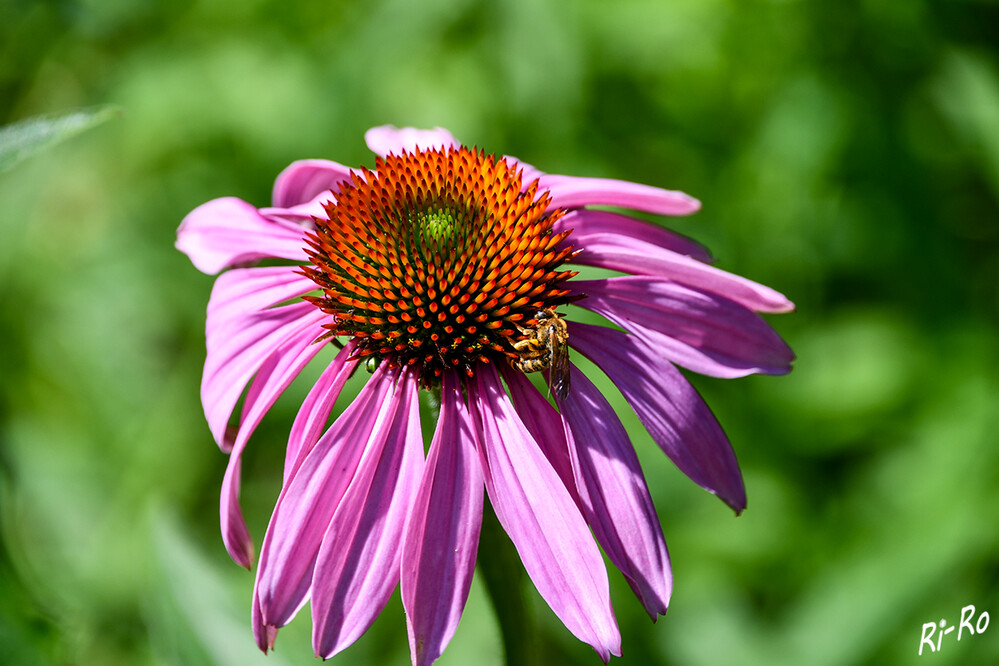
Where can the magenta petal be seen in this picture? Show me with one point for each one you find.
(235, 534)
(640, 258)
(544, 424)
(704, 332)
(242, 331)
(575, 192)
(265, 634)
(669, 407)
(442, 535)
(274, 376)
(303, 180)
(310, 497)
(585, 222)
(615, 498)
(358, 563)
(388, 139)
(316, 408)
(301, 215)
(226, 232)
(541, 518)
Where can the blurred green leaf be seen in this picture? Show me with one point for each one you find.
(27, 137)
(216, 626)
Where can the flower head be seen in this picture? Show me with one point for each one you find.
(446, 268)
(436, 258)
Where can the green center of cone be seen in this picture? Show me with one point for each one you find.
(437, 226)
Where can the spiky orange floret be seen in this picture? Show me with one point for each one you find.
(435, 257)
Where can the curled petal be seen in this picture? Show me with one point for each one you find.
(388, 139)
(543, 522)
(242, 330)
(358, 563)
(274, 376)
(585, 222)
(309, 498)
(575, 192)
(614, 496)
(640, 258)
(702, 331)
(669, 407)
(442, 535)
(227, 232)
(303, 180)
(230, 365)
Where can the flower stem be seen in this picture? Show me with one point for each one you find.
(500, 566)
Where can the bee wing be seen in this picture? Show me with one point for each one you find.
(559, 370)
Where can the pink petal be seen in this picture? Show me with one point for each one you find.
(303, 180)
(442, 535)
(615, 498)
(358, 564)
(575, 192)
(233, 361)
(310, 497)
(227, 232)
(242, 331)
(265, 634)
(704, 332)
(544, 424)
(301, 215)
(274, 376)
(543, 522)
(641, 258)
(315, 410)
(388, 139)
(586, 222)
(669, 407)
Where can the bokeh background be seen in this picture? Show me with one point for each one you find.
(847, 154)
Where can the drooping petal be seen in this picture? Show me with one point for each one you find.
(544, 424)
(242, 331)
(669, 407)
(227, 232)
(575, 192)
(358, 563)
(614, 496)
(585, 222)
(265, 634)
(541, 518)
(702, 331)
(275, 374)
(442, 535)
(309, 498)
(391, 139)
(316, 408)
(640, 258)
(303, 180)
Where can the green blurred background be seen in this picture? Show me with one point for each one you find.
(847, 154)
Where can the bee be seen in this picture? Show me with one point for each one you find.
(545, 348)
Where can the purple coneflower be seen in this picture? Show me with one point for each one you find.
(445, 268)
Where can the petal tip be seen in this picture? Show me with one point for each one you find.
(693, 205)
